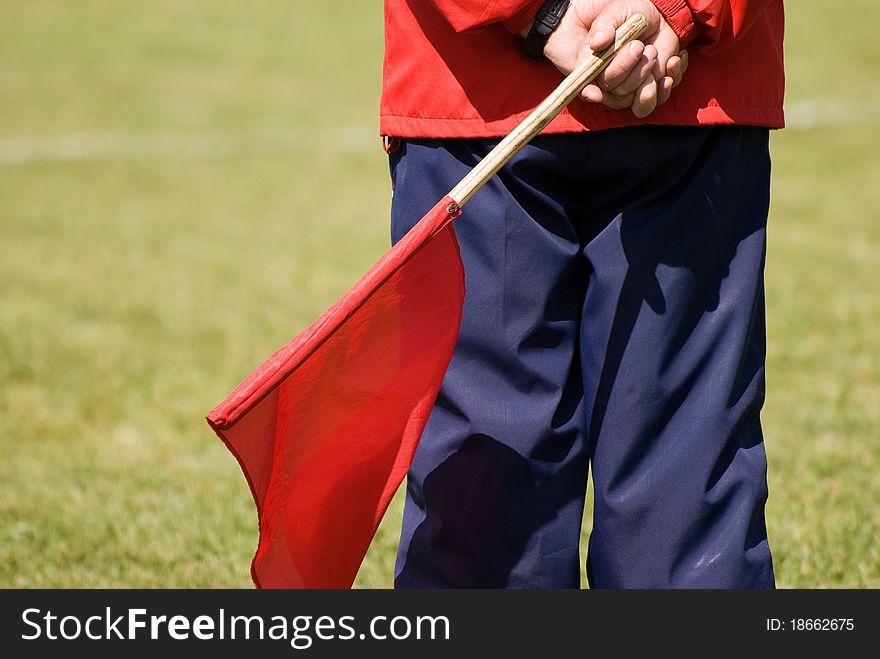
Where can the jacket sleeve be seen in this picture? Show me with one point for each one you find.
(714, 24)
(468, 14)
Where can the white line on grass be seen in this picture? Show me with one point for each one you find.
(800, 115)
(803, 115)
(122, 146)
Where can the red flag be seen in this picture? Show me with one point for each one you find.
(325, 430)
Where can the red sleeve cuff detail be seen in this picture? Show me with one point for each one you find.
(521, 19)
(680, 18)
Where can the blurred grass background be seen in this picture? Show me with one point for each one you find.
(185, 184)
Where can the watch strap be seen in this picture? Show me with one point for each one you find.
(546, 21)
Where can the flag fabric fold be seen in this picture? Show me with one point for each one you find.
(326, 428)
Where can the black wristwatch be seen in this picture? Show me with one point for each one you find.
(546, 21)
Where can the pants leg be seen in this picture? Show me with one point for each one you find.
(496, 490)
(673, 349)
(614, 312)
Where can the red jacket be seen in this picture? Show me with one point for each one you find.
(453, 68)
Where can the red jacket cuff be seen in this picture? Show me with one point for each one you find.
(680, 18)
(521, 19)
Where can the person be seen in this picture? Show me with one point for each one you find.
(614, 316)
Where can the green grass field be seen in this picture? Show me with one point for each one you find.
(185, 184)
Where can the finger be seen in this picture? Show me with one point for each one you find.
(673, 69)
(676, 68)
(612, 17)
(622, 65)
(643, 68)
(685, 59)
(616, 102)
(664, 90)
(604, 26)
(593, 94)
(645, 99)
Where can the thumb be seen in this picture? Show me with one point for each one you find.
(605, 25)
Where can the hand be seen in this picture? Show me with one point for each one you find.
(642, 75)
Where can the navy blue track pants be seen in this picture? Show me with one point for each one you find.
(614, 320)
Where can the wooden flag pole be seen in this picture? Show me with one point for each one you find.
(551, 106)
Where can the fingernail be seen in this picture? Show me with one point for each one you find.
(636, 48)
(684, 56)
(599, 37)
